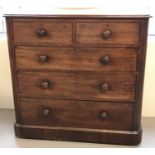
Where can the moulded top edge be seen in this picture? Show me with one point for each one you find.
(75, 16)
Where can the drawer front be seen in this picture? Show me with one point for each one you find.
(108, 33)
(83, 86)
(82, 114)
(79, 59)
(42, 32)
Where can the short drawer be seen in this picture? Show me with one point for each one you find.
(42, 32)
(80, 114)
(107, 33)
(77, 85)
(78, 59)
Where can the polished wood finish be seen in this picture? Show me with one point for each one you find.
(140, 76)
(69, 113)
(52, 32)
(108, 33)
(78, 77)
(77, 59)
(81, 86)
(79, 134)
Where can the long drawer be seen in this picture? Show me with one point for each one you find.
(78, 85)
(81, 114)
(78, 59)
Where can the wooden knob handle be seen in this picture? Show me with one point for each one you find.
(43, 58)
(106, 34)
(46, 112)
(105, 87)
(105, 60)
(44, 84)
(103, 115)
(41, 32)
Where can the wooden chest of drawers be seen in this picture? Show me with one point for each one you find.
(78, 78)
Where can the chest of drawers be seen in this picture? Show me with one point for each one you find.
(78, 78)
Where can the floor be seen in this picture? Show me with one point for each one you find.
(8, 139)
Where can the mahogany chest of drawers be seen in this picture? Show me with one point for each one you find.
(78, 77)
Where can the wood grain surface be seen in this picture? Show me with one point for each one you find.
(77, 58)
(57, 32)
(82, 86)
(80, 114)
